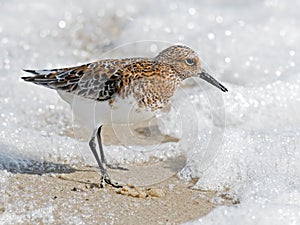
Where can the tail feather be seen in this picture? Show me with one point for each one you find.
(30, 79)
(42, 77)
(30, 71)
(54, 79)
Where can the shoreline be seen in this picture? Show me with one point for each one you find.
(76, 198)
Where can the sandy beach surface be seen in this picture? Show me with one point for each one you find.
(75, 198)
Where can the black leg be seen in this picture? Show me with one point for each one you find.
(92, 145)
(105, 178)
(103, 159)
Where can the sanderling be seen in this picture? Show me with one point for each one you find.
(139, 85)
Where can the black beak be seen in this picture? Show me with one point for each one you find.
(205, 76)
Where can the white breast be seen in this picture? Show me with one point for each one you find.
(92, 113)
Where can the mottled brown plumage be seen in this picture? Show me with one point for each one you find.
(151, 81)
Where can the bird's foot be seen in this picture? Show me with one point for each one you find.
(105, 179)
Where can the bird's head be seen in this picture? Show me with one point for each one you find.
(187, 63)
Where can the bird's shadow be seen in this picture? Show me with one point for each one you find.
(14, 162)
(30, 166)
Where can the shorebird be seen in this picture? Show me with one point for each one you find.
(140, 86)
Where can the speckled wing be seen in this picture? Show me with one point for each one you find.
(98, 81)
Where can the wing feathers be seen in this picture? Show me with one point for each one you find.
(90, 82)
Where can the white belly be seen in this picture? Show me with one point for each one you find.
(92, 113)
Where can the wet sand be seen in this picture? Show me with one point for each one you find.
(76, 198)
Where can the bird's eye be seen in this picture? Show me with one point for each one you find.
(190, 61)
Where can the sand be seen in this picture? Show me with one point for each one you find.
(76, 198)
